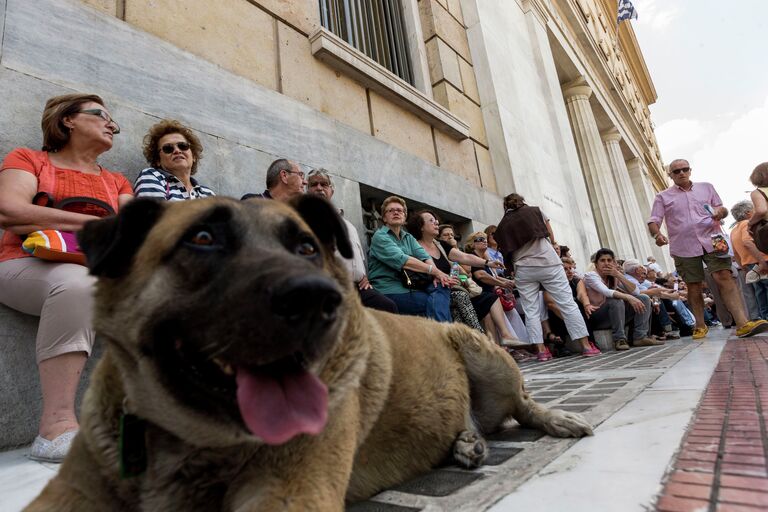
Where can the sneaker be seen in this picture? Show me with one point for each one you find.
(44, 450)
(671, 335)
(592, 351)
(544, 355)
(751, 328)
(644, 342)
(700, 332)
(620, 345)
(659, 340)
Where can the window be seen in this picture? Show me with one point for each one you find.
(375, 27)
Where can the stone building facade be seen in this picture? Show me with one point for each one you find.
(461, 103)
(542, 97)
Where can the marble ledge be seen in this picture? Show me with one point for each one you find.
(339, 55)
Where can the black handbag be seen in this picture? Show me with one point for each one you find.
(760, 235)
(760, 232)
(415, 280)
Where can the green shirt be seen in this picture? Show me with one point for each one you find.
(386, 258)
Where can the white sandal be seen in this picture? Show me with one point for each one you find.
(43, 450)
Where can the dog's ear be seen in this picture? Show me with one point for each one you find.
(325, 221)
(110, 244)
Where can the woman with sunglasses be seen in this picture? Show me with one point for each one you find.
(173, 152)
(77, 129)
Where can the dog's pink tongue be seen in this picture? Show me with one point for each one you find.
(276, 409)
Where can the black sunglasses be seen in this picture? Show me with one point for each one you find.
(481, 240)
(682, 169)
(168, 148)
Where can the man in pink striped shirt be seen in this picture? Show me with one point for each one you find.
(693, 212)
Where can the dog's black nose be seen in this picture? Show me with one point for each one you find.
(306, 298)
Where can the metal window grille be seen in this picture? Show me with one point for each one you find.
(375, 27)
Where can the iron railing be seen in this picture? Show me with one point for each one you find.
(375, 27)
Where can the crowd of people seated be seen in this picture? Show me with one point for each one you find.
(511, 281)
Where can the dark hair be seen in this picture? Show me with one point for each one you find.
(167, 127)
(273, 172)
(513, 201)
(564, 249)
(55, 134)
(603, 252)
(443, 227)
(415, 223)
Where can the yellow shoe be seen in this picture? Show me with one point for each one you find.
(752, 328)
(700, 332)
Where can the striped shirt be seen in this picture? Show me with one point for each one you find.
(160, 184)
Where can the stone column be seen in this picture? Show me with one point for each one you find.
(641, 183)
(603, 195)
(635, 220)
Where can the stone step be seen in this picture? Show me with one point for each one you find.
(20, 399)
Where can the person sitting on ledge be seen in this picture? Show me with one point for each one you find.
(173, 151)
(614, 301)
(284, 180)
(77, 128)
(394, 250)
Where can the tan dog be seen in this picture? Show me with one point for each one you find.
(249, 377)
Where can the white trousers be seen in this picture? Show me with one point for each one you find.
(529, 281)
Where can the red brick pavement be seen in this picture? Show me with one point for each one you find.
(721, 465)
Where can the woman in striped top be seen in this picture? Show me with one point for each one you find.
(173, 152)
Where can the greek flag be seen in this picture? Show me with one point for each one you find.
(626, 11)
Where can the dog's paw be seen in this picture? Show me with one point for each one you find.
(470, 449)
(566, 424)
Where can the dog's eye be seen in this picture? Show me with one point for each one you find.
(202, 237)
(306, 249)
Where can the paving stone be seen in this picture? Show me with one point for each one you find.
(516, 434)
(439, 483)
(375, 506)
(499, 455)
(572, 408)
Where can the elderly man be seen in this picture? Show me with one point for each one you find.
(319, 183)
(750, 259)
(693, 212)
(661, 324)
(284, 180)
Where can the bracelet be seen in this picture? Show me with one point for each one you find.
(487, 262)
(429, 270)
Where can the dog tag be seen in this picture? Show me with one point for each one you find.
(133, 447)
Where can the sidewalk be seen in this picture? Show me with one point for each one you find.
(642, 404)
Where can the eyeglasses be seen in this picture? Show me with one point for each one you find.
(682, 169)
(102, 114)
(399, 211)
(480, 240)
(299, 173)
(171, 146)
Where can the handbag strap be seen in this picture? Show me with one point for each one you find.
(83, 199)
(442, 251)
